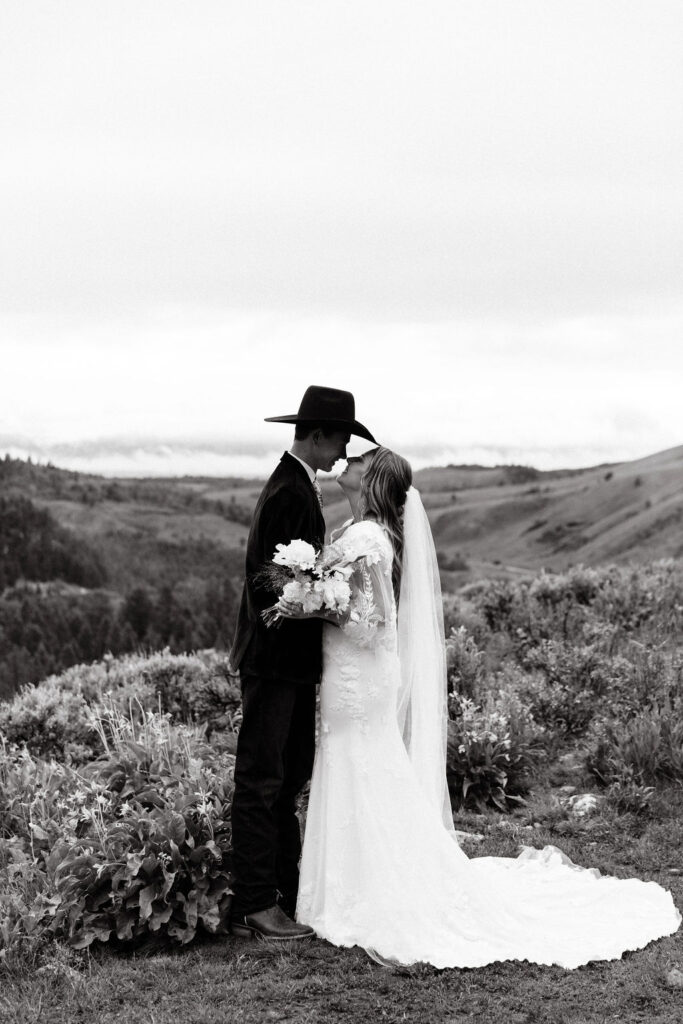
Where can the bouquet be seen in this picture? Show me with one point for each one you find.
(313, 580)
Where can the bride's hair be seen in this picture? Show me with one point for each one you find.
(383, 489)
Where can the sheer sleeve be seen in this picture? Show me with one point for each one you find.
(371, 617)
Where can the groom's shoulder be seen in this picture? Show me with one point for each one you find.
(285, 472)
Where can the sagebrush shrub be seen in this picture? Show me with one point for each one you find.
(647, 600)
(460, 610)
(53, 718)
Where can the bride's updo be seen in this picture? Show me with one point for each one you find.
(383, 489)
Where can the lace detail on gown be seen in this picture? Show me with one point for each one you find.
(380, 870)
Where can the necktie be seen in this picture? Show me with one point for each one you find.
(318, 492)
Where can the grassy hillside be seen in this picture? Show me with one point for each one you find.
(627, 512)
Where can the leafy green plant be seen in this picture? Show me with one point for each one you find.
(155, 873)
(649, 745)
(466, 663)
(132, 847)
(153, 865)
(487, 763)
(627, 794)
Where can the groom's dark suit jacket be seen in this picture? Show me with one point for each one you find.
(287, 510)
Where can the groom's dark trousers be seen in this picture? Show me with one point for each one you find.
(279, 669)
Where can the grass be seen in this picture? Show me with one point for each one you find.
(224, 979)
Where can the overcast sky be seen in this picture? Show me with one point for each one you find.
(468, 213)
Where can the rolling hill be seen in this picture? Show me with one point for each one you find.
(627, 512)
(496, 520)
(168, 555)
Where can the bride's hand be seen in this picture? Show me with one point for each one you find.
(290, 610)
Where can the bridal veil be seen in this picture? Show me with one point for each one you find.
(422, 697)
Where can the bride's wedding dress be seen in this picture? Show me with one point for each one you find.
(381, 867)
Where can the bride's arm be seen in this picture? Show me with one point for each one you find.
(371, 609)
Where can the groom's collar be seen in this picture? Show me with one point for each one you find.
(310, 472)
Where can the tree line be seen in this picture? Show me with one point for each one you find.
(56, 610)
(34, 547)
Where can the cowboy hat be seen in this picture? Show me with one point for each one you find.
(327, 406)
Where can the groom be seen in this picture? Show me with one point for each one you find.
(279, 669)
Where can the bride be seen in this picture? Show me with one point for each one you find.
(381, 867)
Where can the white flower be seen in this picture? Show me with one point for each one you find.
(313, 598)
(336, 593)
(298, 554)
(295, 591)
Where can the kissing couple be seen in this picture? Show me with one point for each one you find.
(381, 867)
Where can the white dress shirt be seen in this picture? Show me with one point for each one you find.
(313, 478)
(311, 472)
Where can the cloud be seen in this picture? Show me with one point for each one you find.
(458, 391)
